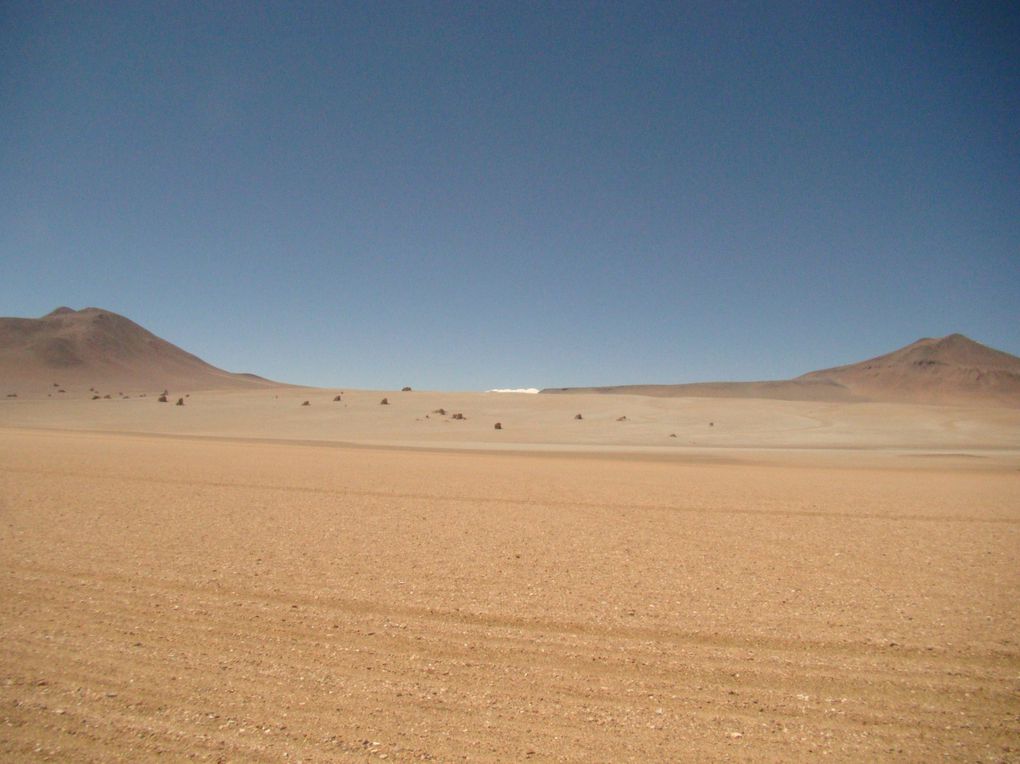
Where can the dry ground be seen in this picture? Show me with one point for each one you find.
(175, 596)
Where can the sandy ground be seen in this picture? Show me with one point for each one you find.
(247, 579)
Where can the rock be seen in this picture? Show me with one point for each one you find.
(621, 419)
(441, 412)
(307, 403)
(498, 426)
(578, 416)
(384, 402)
(459, 416)
(95, 397)
(405, 389)
(162, 398)
(180, 402)
(337, 398)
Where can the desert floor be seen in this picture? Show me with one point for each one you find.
(243, 578)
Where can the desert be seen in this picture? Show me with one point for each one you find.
(668, 577)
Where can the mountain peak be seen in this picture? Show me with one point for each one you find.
(97, 347)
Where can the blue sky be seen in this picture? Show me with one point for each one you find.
(466, 196)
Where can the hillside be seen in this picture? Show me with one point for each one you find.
(946, 370)
(93, 348)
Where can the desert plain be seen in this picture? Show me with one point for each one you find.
(246, 578)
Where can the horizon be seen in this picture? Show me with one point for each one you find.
(64, 310)
(547, 196)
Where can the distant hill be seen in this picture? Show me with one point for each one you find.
(943, 370)
(949, 370)
(98, 348)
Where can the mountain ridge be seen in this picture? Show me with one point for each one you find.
(932, 370)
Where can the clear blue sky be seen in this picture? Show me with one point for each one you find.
(474, 195)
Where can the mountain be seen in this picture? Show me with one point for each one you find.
(98, 348)
(942, 370)
(945, 370)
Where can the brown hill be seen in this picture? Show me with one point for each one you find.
(949, 370)
(87, 348)
(952, 369)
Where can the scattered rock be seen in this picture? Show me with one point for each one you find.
(578, 416)
(672, 435)
(441, 412)
(621, 419)
(180, 402)
(162, 398)
(384, 402)
(405, 389)
(337, 398)
(459, 416)
(95, 397)
(306, 403)
(498, 426)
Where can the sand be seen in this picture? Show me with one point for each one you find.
(243, 578)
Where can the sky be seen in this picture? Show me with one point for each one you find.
(464, 196)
